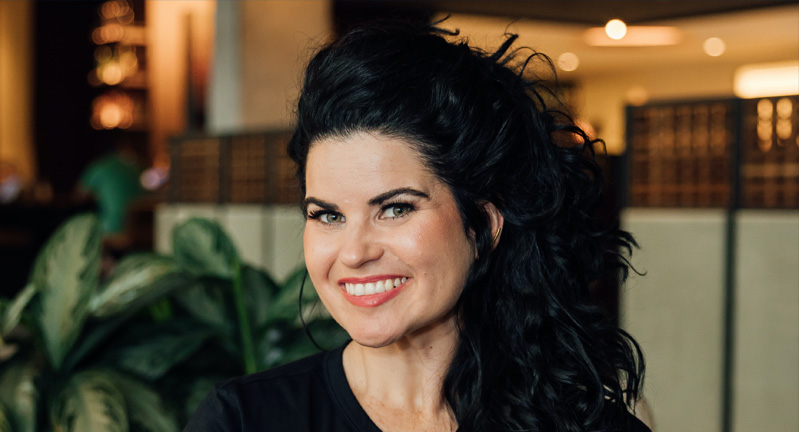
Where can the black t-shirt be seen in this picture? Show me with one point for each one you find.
(310, 395)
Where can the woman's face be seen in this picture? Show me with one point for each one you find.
(384, 242)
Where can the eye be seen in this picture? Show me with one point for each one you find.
(331, 218)
(397, 210)
(326, 217)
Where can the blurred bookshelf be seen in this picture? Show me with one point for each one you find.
(714, 154)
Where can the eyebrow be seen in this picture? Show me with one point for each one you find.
(316, 201)
(385, 196)
(377, 200)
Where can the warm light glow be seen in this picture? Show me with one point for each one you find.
(568, 61)
(784, 108)
(637, 95)
(636, 36)
(116, 9)
(111, 73)
(616, 29)
(112, 110)
(765, 109)
(784, 126)
(110, 116)
(767, 79)
(714, 47)
(108, 33)
(109, 9)
(129, 61)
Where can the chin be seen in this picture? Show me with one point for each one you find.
(373, 339)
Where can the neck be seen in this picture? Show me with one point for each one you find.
(404, 377)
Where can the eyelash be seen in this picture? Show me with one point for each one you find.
(408, 207)
(317, 214)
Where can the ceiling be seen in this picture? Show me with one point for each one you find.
(754, 31)
(592, 12)
(751, 36)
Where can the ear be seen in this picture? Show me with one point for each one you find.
(496, 222)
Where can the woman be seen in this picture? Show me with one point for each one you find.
(449, 232)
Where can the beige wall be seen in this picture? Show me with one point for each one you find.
(767, 321)
(269, 51)
(16, 87)
(676, 312)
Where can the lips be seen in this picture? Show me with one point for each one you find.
(372, 291)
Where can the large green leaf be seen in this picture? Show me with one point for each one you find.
(285, 306)
(90, 402)
(136, 281)
(65, 275)
(152, 350)
(13, 312)
(259, 288)
(19, 395)
(5, 421)
(210, 302)
(204, 248)
(146, 410)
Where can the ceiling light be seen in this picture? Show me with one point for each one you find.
(767, 79)
(616, 29)
(636, 36)
(568, 61)
(714, 47)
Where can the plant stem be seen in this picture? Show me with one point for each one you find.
(247, 345)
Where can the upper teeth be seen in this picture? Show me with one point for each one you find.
(373, 287)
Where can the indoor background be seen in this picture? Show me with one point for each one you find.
(697, 103)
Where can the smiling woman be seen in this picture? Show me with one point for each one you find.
(448, 230)
(385, 218)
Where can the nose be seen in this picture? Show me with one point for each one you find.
(360, 246)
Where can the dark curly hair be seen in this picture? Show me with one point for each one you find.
(534, 353)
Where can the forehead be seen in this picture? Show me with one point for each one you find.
(365, 162)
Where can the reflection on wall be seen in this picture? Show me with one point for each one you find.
(180, 33)
(16, 72)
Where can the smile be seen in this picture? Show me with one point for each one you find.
(374, 290)
(369, 288)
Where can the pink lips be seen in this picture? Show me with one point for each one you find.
(371, 300)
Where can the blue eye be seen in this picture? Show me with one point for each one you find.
(326, 217)
(331, 218)
(396, 211)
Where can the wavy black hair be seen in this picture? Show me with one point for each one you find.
(534, 354)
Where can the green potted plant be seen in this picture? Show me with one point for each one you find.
(77, 353)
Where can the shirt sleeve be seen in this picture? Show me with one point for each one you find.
(218, 412)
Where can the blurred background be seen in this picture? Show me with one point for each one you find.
(151, 112)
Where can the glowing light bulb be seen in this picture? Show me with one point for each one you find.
(616, 29)
(714, 47)
(568, 61)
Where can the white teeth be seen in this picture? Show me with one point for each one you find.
(373, 287)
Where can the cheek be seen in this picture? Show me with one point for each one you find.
(318, 255)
